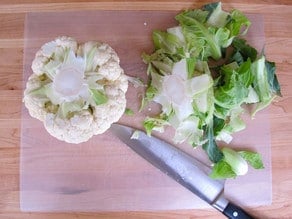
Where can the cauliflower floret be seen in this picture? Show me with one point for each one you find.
(122, 83)
(101, 58)
(32, 83)
(71, 112)
(38, 63)
(111, 111)
(34, 102)
(46, 52)
(84, 125)
(75, 130)
(67, 42)
(36, 107)
(103, 53)
(111, 70)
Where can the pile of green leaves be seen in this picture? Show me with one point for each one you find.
(203, 73)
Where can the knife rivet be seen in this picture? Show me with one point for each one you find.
(235, 214)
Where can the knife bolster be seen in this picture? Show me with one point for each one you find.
(220, 203)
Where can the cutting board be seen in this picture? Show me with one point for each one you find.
(103, 174)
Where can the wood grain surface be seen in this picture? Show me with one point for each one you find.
(278, 32)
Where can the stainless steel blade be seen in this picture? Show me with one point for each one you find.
(183, 168)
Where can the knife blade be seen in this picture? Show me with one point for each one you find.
(180, 166)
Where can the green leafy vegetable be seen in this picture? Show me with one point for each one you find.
(166, 41)
(203, 74)
(156, 124)
(272, 78)
(237, 23)
(222, 170)
(210, 40)
(243, 51)
(216, 17)
(254, 159)
(233, 92)
(214, 153)
(266, 84)
(129, 112)
(234, 163)
(235, 160)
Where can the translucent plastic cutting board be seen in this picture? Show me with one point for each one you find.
(103, 174)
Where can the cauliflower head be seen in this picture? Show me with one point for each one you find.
(77, 91)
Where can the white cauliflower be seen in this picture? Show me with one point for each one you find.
(76, 91)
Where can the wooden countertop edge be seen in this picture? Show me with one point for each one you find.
(129, 5)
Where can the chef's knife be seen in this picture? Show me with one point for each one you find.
(185, 169)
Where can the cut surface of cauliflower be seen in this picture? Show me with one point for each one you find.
(76, 90)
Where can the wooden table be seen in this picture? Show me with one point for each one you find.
(278, 32)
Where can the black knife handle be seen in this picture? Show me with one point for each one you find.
(234, 212)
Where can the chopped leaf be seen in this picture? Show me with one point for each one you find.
(217, 17)
(191, 63)
(149, 95)
(253, 158)
(188, 16)
(222, 170)
(272, 78)
(233, 92)
(129, 112)
(243, 51)
(238, 24)
(154, 124)
(262, 84)
(211, 7)
(194, 30)
(218, 125)
(177, 31)
(135, 134)
(166, 41)
(188, 131)
(234, 159)
(214, 153)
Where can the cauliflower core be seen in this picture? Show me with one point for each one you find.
(77, 91)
